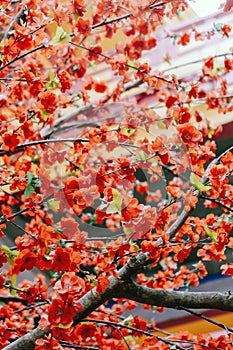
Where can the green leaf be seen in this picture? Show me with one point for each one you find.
(35, 160)
(29, 191)
(136, 247)
(128, 131)
(11, 254)
(128, 230)
(60, 37)
(115, 205)
(218, 27)
(62, 326)
(48, 257)
(33, 182)
(198, 184)
(53, 204)
(45, 114)
(53, 84)
(132, 64)
(93, 65)
(212, 234)
(29, 177)
(141, 155)
(13, 288)
(27, 317)
(216, 71)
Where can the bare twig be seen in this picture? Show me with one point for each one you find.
(20, 17)
(40, 142)
(216, 323)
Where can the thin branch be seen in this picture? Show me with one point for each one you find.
(47, 131)
(22, 15)
(133, 329)
(3, 221)
(40, 142)
(22, 56)
(9, 298)
(195, 62)
(128, 15)
(198, 100)
(138, 82)
(74, 346)
(185, 214)
(218, 324)
(216, 201)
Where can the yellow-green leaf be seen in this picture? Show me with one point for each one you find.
(11, 254)
(198, 184)
(53, 204)
(13, 288)
(62, 326)
(13, 291)
(128, 230)
(128, 131)
(212, 234)
(13, 279)
(115, 205)
(141, 155)
(127, 321)
(53, 83)
(44, 115)
(60, 37)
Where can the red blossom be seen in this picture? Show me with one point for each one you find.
(139, 323)
(161, 147)
(48, 344)
(10, 141)
(65, 80)
(61, 260)
(83, 26)
(49, 100)
(94, 53)
(24, 261)
(103, 282)
(69, 227)
(100, 86)
(208, 66)
(226, 29)
(3, 257)
(170, 101)
(61, 312)
(227, 269)
(85, 330)
(70, 285)
(228, 63)
(184, 39)
(182, 253)
(79, 7)
(218, 174)
(190, 135)
(142, 187)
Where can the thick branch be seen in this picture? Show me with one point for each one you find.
(90, 302)
(175, 299)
